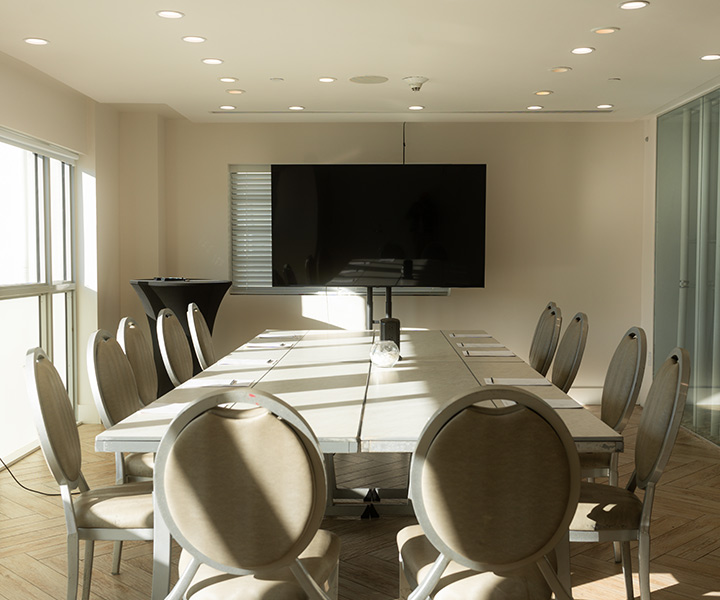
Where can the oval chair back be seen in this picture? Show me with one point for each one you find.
(201, 336)
(545, 339)
(623, 379)
(233, 500)
(495, 488)
(112, 380)
(139, 352)
(174, 347)
(570, 352)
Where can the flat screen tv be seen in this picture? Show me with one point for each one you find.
(378, 225)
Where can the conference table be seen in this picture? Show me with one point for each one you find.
(351, 404)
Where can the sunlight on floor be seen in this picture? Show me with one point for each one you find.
(658, 581)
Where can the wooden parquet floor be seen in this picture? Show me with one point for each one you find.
(685, 533)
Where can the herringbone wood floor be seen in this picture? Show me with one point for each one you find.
(685, 533)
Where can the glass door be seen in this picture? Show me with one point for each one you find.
(687, 255)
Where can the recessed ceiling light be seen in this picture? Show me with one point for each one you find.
(228, 79)
(212, 61)
(416, 107)
(327, 79)
(369, 79)
(534, 107)
(36, 41)
(604, 106)
(194, 39)
(560, 69)
(634, 4)
(235, 91)
(582, 50)
(276, 79)
(710, 57)
(543, 92)
(170, 14)
(605, 30)
(614, 79)
(296, 108)
(227, 107)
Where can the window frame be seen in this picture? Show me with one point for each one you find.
(45, 289)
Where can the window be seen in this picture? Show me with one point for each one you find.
(251, 235)
(37, 289)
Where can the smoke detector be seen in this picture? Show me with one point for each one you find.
(415, 82)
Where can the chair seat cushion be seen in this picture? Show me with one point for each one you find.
(461, 583)
(125, 506)
(320, 558)
(140, 464)
(606, 508)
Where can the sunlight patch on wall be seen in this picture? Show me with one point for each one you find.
(88, 258)
(346, 311)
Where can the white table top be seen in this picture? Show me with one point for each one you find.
(351, 404)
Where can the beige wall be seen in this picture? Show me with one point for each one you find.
(565, 208)
(37, 105)
(569, 212)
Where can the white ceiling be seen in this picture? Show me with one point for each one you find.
(484, 60)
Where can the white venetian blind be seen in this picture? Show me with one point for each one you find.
(251, 226)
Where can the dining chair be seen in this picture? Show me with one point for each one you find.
(116, 397)
(201, 336)
(140, 354)
(116, 512)
(246, 511)
(607, 513)
(494, 490)
(621, 388)
(545, 339)
(569, 353)
(174, 347)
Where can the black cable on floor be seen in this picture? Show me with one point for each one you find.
(24, 486)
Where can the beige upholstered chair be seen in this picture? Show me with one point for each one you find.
(608, 513)
(494, 490)
(116, 397)
(174, 347)
(113, 387)
(201, 337)
(245, 511)
(545, 339)
(621, 388)
(118, 512)
(140, 354)
(570, 352)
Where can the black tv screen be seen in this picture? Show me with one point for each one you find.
(378, 225)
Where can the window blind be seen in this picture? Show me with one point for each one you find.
(251, 227)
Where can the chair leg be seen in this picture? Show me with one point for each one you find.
(332, 582)
(117, 554)
(562, 552)
(613, 480)
(73, 566)
(330, 478)
(627, 570)
(404, 585)
(644, 565)
(87, 573)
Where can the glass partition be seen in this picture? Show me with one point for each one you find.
(687, 255)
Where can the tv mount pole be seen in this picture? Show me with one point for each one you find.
(369, 306)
